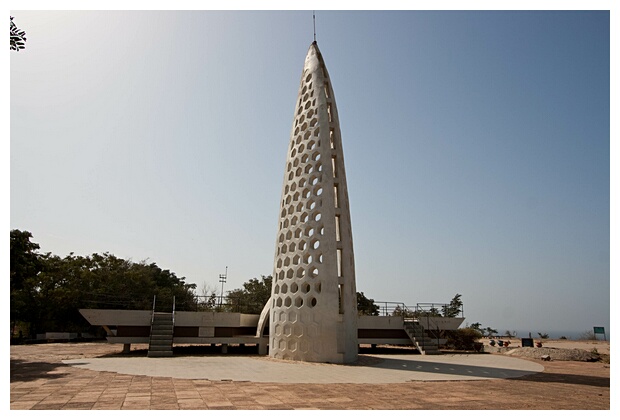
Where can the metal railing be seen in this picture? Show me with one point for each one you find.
(421, 309)
(437, 309)
(153, 313)
(419, 318)
(228, 304)
(393, 309)
(410, 317)
(174, 303)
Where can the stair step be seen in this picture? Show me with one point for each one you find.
(160, 348)
(155, 342)
(161, 331)
(425, 344)
(159, 353)
(161, 335)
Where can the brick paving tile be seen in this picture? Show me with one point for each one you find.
(160, 396)
(140, 407)
(164, 406)
(78, 405)
(192, 403)
(187, 394)
(48, 406)
(219, 404)
(112, 397)
(34, 396)
(242, 402)
(162, 391)
(236, 395)
(22, 405)
(56, 399)
(99, 405)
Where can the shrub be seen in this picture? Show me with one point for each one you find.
(462, 339)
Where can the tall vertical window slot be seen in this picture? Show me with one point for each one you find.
(336, 201)
(329, 112)
(339, 261)
(331, 139)
(337, 227)
(327, 90)
(334, 171)
(340, 300)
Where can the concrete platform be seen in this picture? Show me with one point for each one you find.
(375, 369)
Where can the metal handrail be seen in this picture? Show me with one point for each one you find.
(388, 308)
(416, 316)
(424, 308)
(421, 309)
(153, 314)
(174, 302)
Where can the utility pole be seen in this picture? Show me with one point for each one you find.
(223, 280)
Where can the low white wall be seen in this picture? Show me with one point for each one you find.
(367, 322)
(116, 317)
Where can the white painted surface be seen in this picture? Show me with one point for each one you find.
(314, 308)
(391, 369)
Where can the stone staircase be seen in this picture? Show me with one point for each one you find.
(420, 339)
(162, 331)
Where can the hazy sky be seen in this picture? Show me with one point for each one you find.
(477, 148)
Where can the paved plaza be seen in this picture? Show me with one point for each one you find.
(91, 376)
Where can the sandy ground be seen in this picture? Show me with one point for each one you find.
(603, 347)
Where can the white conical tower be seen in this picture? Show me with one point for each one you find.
(313, 306)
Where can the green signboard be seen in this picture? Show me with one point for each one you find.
(599, 330)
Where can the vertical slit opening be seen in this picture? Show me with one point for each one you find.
(339, 261)
(337, 228)
(336, 201)
(340, 300)
(331, 139)
(334, 171)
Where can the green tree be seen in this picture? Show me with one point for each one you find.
(366, 306)
(47, 291)
(17, 37)
(207, 300)
(404, 312)
(477, 326)
(24, 258)
(454, 308)
(252, 298)
(26, 263)
(490, 332)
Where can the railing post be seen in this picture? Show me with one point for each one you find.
(153, 314)
(174, 302)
